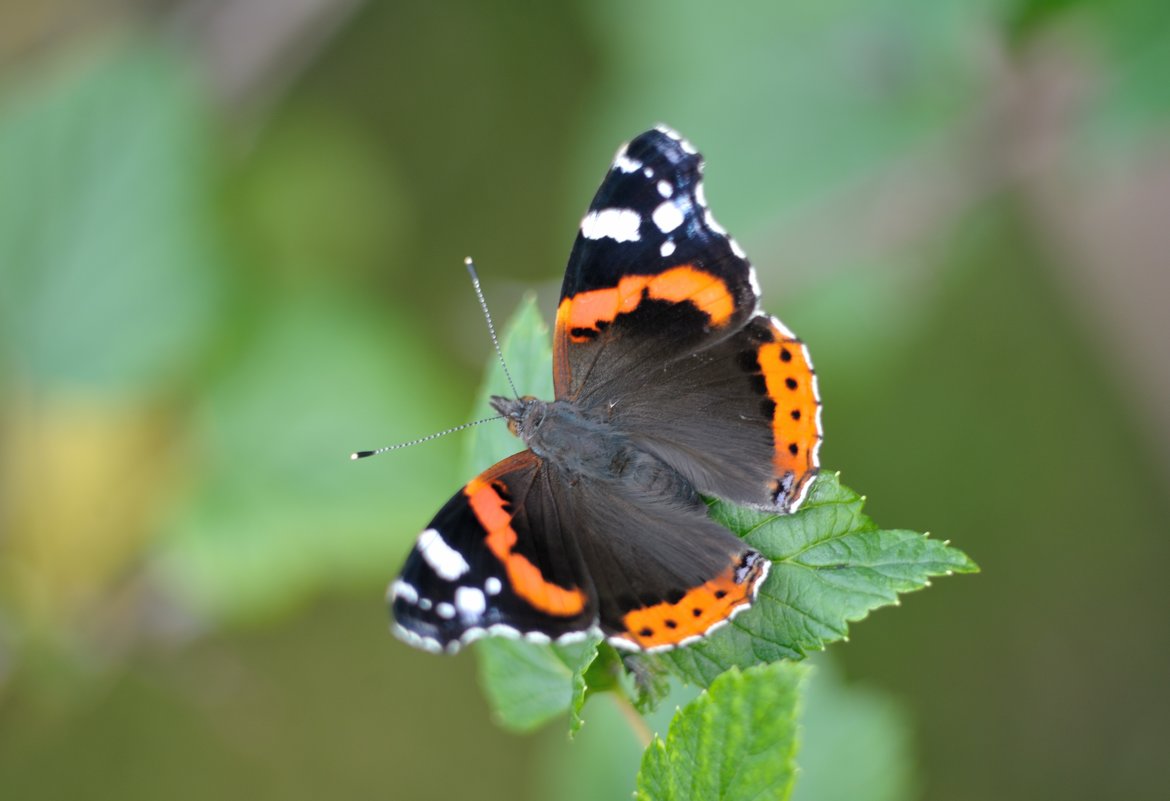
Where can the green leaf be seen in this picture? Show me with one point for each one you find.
(736, 741)
(527, 349)
(529, 684)
(830, 566)
(651, 680)
(526, 683)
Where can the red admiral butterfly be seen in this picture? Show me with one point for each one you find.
(670, 384)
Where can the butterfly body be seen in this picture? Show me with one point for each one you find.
(670, 385)
(585, 448)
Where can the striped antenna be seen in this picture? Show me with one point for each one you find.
(491, 328)
(495, 342)
(427, 438)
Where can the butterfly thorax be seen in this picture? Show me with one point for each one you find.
(585, 447)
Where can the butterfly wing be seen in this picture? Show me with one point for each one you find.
(740, 419)
(497, 559)
(523, 550)
(664, 573)
(658, 329)
(651, 276)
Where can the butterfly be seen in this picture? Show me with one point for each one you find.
(670, 385)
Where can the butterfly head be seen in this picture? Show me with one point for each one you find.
(524, 414)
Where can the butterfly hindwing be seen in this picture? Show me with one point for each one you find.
(665, 574)
(740, 419)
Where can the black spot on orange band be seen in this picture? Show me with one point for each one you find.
(789, 382)
(698, 609)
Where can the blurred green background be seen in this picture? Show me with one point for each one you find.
(231, 235)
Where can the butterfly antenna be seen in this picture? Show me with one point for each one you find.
(491, 328)
(427, 438)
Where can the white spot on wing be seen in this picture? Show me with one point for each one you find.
(795, 503)
(754, 280)
(443, 559)
(620, 225)
(666, 129)
(625, 163)
(666, 249)
(783, 329)
(760, 581)
(623, 643)
(407, 592)
(417, 640)
(736, 249)
(714, 226)
(573, 636)
(815, 387)
(495, 630)
(470, 601)
(718, 624)
(667, 217)
(665, 189)
(472, 634)
(700, 195)
(492, 585)
(445, 610)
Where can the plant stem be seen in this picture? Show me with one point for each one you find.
(641, 730)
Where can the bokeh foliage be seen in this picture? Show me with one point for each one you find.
(204, 307)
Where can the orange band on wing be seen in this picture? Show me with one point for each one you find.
(586, 311)
(524, 577)
(691, 616)
(790, 383)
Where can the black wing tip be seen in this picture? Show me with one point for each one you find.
(660, 150)
(664, 137)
